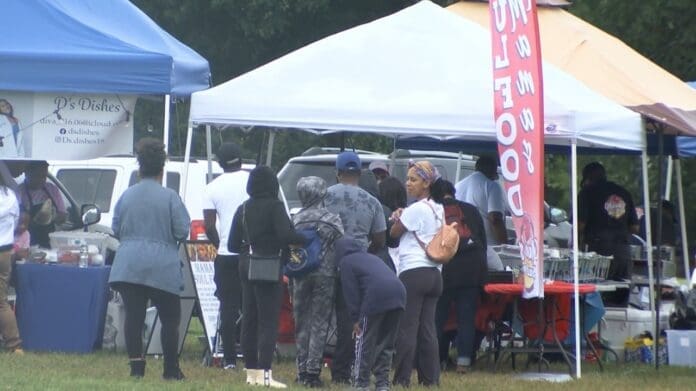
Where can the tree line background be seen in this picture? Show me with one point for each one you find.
(237, 36)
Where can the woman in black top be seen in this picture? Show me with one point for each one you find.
(463, 276)
(269, 230)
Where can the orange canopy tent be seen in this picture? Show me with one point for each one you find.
(607, 65)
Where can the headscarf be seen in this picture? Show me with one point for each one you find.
(311, 190)
(425, 170)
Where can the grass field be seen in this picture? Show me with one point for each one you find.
(109, 371)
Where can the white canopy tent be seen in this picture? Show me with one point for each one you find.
(421, 71)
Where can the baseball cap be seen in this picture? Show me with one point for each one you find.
(348, 161)
(378, 165)
(228, 154)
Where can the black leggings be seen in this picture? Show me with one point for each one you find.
(135, 297)
(261, 310)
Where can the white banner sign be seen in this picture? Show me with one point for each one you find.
(65, 125)
(202, 257)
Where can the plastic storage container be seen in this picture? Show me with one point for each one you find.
(65, 239)
(681, 347)
(620, 324)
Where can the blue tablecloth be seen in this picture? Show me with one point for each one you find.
(61, 308)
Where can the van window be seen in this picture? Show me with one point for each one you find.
(89, 186)
(173, 180)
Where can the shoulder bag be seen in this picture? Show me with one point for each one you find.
(444, 245)
(262, 268)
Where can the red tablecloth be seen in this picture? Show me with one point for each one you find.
(557, 309)
(551, 288)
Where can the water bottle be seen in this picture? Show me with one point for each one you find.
(84, 256)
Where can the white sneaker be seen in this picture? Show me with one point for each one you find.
(254, 377)
(267, 377)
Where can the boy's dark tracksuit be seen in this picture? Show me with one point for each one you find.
(375, 298)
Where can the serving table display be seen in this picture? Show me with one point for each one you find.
(61, 308)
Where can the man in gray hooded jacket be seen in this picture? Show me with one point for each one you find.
(313, 294)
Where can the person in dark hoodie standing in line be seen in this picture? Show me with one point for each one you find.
(368, 182)
(464, 276)
(269, 230)
(375, 298)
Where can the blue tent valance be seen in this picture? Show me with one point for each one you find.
(94, 46)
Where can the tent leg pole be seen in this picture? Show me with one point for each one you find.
(187, 157)
(682, 221)
(648, 238)
(658, 217)
(668, 181)
(459, 167)
(574, 190)
(165, 135)
(269, 150)
(209, 152)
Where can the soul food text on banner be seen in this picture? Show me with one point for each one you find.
(519, 113)
(65, 125)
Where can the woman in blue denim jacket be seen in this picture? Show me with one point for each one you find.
(150, 220)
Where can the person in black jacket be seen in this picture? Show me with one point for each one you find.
(463, 276)
(375, 298)
(368, 182)
(269, 231)
(606, 219)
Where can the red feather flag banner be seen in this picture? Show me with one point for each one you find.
(519, 114)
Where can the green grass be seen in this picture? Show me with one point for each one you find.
(109, 371)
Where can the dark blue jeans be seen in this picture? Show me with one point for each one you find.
(465, 300)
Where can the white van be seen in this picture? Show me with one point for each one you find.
(102, 181)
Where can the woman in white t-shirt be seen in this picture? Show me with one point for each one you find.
(417, 336)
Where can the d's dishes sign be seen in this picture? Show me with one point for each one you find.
(64, 125)
(519, 114)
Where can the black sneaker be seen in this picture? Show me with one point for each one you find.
(341, 381)
(301, 378)
(313, 381)
(174, 375)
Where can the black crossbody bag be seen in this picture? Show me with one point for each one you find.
(262, 268)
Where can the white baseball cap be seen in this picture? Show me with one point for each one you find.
(378, 165)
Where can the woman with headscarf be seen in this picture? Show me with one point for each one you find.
(263, 223)
(313, 294)
(417, 337)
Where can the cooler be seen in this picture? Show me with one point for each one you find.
(620, 324)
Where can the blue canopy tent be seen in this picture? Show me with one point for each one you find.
(101, 47)
(94, 46)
